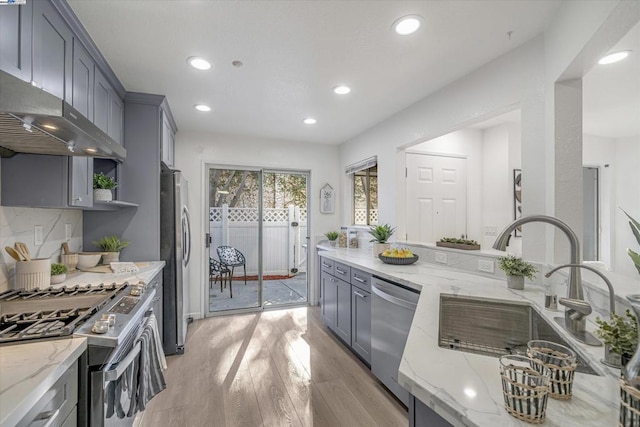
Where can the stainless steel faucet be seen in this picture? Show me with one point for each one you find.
(576, 307)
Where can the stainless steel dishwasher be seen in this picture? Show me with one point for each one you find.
(392, 309)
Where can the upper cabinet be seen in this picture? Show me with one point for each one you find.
(15, 40)
(108, 108)
(168, 139)
(83, 81)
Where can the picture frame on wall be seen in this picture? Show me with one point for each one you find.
(517, 199)
(327, 199)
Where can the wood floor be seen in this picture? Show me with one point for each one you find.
(275, 368)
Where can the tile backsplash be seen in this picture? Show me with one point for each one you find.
(17, 225)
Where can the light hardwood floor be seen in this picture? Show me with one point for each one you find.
(275, 368)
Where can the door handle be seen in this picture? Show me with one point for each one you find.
(341, 271)
(358, 279)
(358, 294)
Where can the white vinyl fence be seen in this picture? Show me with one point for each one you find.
(361, 216)
(284, 233)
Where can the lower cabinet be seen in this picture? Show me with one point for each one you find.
(343, 310)
(157, 304)
(361, 323)
(329, 293)
(420, 415)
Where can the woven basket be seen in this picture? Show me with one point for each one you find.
(561, 362)
(524, 389)
(629, 405)
(397, 261)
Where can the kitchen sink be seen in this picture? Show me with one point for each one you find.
(494, 328)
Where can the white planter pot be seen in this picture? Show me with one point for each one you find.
(515, 282)
(378, 248)
(108, 257)
(102, 195)
(58, 278)
(332, 243)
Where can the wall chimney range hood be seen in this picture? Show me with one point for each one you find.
(37, 122)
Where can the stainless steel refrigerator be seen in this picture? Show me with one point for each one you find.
(175, 249)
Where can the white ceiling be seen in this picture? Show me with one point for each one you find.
(295, 52)
(611, 93)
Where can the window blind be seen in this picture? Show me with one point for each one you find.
(361, 165)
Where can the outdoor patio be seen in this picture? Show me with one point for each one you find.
(275, 292)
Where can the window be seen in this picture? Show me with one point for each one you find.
(365, 196)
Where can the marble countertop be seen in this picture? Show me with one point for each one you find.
(465, 388)
(148, 269)
(27, 371)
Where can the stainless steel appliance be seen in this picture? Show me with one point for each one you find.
(175, 250)
(392, 310)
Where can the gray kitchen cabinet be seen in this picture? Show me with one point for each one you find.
(34, 180)
(15, 40)
(168, 141)
(52, 51)
(82, 81)
(343, 311)
(108, 108)
(329, 299)
(420, 415)
(116, 117)
(361, 322)
(157, 284)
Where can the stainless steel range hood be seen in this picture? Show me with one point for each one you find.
(37, 122)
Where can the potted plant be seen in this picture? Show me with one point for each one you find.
(635, 229)
(464, 244)
(102, 186)
(58, 273)
(620, 336)
(332, 236)
(380, 233)
(111, 245)
(516, 270)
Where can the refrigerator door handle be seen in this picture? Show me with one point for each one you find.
(186, 235)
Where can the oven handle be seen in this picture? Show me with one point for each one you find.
(114, 374)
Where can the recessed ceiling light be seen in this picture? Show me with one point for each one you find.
(202, 107)
(342, 90)
(614, 57)
(51, 127)
(309, 121)
(90, 150)
(198, 63)
(407, 24)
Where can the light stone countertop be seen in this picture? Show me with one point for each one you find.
(27, 371)
(148, 269)
(465, 388)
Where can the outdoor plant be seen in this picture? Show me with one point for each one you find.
(381, 233)
(635, 229)
(57, 269)
(620, 333)
(101, 181)
(516, 266)
(111, 244)
(458, 241)
(332, 235)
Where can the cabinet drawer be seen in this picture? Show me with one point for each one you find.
(342, 271)
(327, 265)
(361, 279)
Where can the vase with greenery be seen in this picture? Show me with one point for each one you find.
(111, 245)
(58, 273)
(516, 270)
(620, 337)
(381, 233)
(635, 229)
(102, 186)
(332, 236)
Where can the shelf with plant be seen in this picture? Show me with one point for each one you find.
(102, 186)
(453, 242)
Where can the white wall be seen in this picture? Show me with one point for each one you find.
(627, 196)
(497, 181)
(194, 150)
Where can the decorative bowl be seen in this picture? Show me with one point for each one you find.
(88, 260)
(397, 260)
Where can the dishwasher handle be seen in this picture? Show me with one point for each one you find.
(393, 299)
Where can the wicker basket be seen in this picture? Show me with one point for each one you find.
(397, 261)
(561, 362)
(525, 390)
(629, 405)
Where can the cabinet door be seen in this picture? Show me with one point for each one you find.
(343, 318)
(101, 103)
(158, 303)
(52, 51)
(82, 84)
(361, 323)
(420, 415)
(81, 181)
(329, 301)
(116, 114)
(15, 40)
(166, 146)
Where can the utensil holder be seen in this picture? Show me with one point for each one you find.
(525, 390)
(560, 361)
(70, 261)
(629, 405)
(33, 274)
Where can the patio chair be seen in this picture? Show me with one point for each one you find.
(218, 271)
(231, 257)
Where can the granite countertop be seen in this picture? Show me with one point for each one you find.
(27, 371)
(465, 388)
(148, 269)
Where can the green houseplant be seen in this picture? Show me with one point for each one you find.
(58, 273)
(381, 233)
(332, 236)
(111, 245)
(620, 337)
(102, 186)
(635, 229)
(516, 270)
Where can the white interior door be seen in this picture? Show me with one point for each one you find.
(436, 197)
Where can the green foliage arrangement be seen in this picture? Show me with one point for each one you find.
(101, 181)
(57, 269)
(332, 235)
(381, 233)
(459, 241)
(635, 229)
(516, 266)
(111, 244)
(620, 333)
